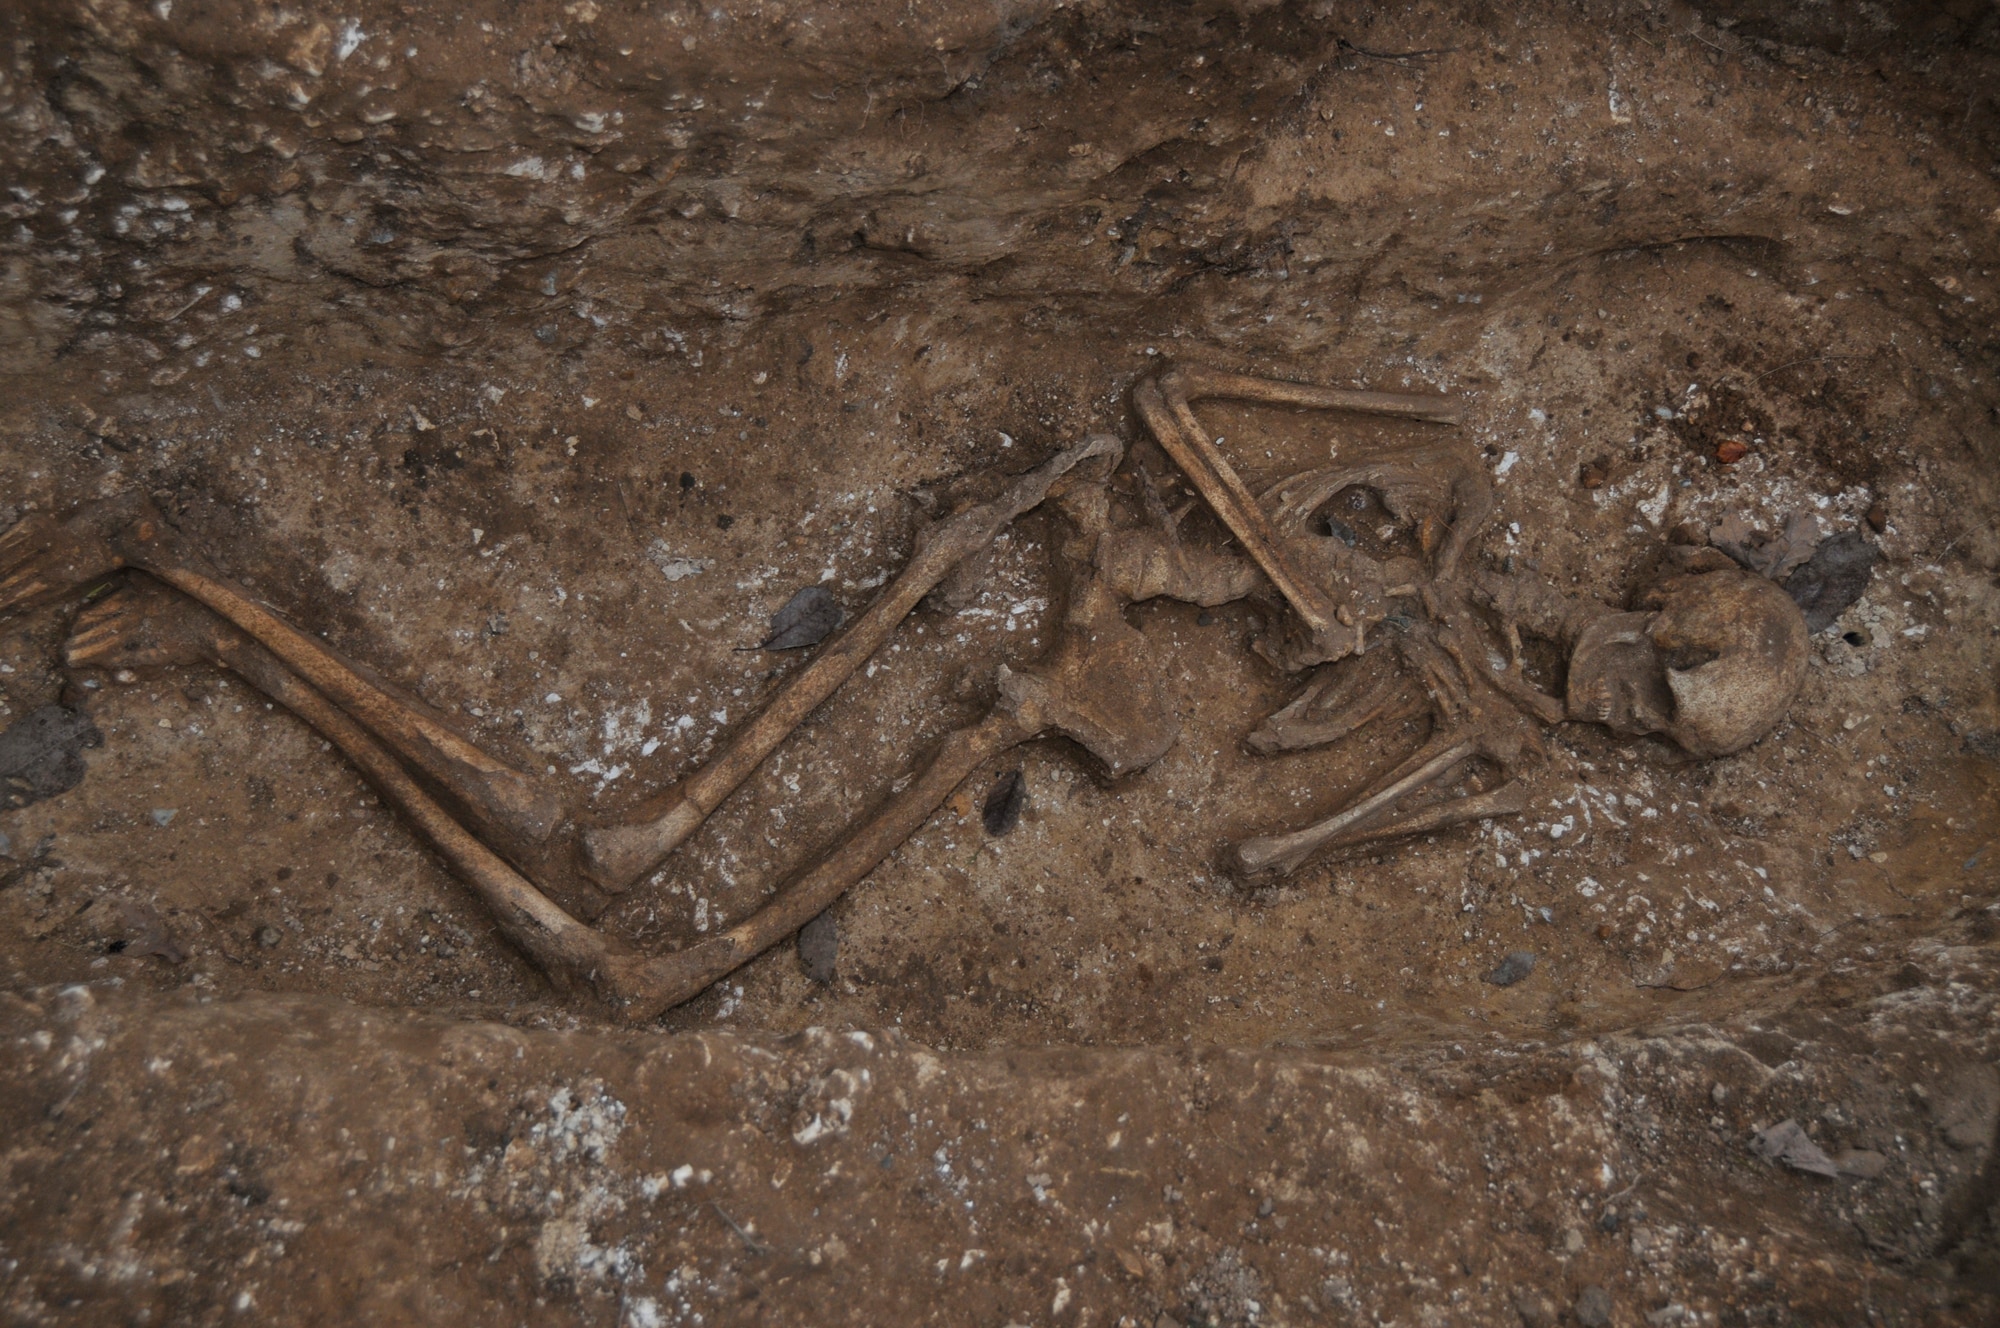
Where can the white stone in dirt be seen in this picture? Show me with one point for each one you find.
(1654, 509)
(674, 566)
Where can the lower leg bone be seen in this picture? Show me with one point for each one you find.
(41, 559)
(1101, 690)
(138, 628)
(647, 986)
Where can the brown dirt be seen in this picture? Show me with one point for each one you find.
(444, 330)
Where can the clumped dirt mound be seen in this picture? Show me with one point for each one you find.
(537, 355)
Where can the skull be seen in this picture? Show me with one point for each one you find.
(1712, 661)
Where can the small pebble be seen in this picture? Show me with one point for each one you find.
(1002, 810)
(1513, 968)
(1593, 1307)
(819, 948)
(268, 936)
(1535, 1309)
(164, 815)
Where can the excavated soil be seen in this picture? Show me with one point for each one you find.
(535, 354)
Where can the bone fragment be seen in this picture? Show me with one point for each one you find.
(500, 795)
(42, 559)
(1510, 799)
(1290, 730)
(1201, 384)
(1174, 427)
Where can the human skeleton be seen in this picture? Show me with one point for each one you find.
(1710, 659)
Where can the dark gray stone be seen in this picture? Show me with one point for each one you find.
(805, 620)
(1513, 968)
(1593, 1307)
(819, 948)
(1002, 810)
(1832, 578)
(41, 754)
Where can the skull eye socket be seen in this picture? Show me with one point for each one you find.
(1682, 659)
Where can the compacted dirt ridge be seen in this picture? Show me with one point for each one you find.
(535, 354)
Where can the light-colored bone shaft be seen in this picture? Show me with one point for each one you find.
(492, 790)
(1510, 799)
(614, 856)
(573, 956)
(1214, 384)
(648, 986)
(1284, 852)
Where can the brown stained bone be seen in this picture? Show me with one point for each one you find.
(614, 856)
(1712, 661)
(40, 559)
(1345, 698)
(1102, 690)
(1283, 852)
(140, 627)
(1480, 713)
